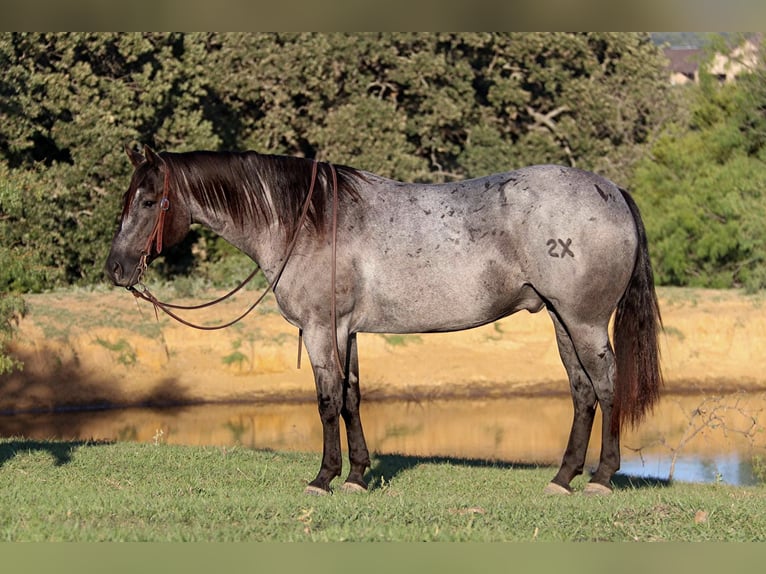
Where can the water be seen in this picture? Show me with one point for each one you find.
(730, 468)
(715, 439)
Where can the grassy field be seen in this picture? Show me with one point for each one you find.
(128, 491)
(82, 491)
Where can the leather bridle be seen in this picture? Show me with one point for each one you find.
(155, 239)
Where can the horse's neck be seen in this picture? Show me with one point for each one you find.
(264, 243)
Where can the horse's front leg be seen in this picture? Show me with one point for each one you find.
(329, 385)
(357, 446)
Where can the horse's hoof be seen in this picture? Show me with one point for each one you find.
(316, 491)
(352, 487)
(596, 489)
(553, 488)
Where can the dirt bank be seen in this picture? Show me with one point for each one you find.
(94, 348)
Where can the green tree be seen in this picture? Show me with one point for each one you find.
(413, 106)
(443, 106)
(702, 188)
(68, 105)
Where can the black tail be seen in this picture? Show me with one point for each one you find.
(637, 324)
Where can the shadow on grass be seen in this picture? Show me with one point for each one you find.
(628, 482)
(60, 451)
(387, 466)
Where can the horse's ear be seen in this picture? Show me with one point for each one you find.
(151, 156)
(134, 156)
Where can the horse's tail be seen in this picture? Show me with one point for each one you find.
(637, 324)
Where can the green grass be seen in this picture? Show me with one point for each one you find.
(125, 354)
(57, 321)
(402, 340)
(80, 491)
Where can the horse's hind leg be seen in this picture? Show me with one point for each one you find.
(357, 446)
(589, 361)
(584, 398)
(595, 352)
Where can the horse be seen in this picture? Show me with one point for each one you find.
(347, 251)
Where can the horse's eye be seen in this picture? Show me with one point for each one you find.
(149, 203)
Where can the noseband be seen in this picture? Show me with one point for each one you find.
(155, 240)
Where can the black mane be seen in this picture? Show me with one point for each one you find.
(236, 183)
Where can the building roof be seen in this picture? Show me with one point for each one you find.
(683, 60)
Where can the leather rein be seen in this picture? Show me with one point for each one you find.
(140, 290)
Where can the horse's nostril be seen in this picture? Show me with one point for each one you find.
(117, 272)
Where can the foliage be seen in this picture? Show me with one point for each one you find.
(432, 107)
(701, 189)
(68, 104)
(413, 106)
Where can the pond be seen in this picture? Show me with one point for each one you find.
(691, 438)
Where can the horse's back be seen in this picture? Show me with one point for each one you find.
(457, 255)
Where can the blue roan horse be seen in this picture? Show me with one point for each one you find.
(348, 251)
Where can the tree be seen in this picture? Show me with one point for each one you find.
(441, 106)
(68, 105)
(701, 188)
(422, 107)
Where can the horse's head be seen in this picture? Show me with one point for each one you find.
(154, 217)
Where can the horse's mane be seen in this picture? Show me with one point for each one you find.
(255, 188)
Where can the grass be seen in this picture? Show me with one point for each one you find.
(401, 340)
(56, 320)
(126, 355)
(125, 491)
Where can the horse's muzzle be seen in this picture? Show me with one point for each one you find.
(118, 275)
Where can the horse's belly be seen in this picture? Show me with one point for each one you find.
(444, 301)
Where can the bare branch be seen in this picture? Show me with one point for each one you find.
(545, 121)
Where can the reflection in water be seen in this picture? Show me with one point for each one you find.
(715, 438)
